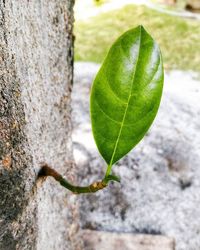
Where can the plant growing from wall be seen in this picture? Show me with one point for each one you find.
(124, 101)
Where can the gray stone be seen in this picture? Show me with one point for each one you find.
(160, 179)
(35, 84)
(96, 240)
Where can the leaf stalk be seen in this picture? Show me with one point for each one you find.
(46, 170)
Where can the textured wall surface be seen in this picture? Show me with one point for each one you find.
(35, 84)
(160, 179)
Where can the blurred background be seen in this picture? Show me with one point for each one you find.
(99, 23)
(156, 206)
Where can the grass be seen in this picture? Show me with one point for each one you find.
(178, 38)
(100, 2)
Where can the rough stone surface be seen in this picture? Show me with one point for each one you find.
(96, 240)
(160, 179)
(35, 84)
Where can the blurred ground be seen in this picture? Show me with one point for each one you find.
(93, 9)
(160, 179)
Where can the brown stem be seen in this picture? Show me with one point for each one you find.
(46, 170)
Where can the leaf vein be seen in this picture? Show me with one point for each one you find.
(120, 131)
(107, 114)
(114, 94)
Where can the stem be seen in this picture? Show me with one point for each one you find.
(94, 187)
(108, 171)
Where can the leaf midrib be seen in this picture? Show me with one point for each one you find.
(122, 123)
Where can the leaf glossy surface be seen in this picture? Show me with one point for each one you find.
(126, 94)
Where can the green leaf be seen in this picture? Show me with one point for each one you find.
(126, 94)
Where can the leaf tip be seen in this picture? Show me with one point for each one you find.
(141, 27)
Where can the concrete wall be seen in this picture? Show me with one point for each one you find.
(36, 66)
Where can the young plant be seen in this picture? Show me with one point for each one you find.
(124, 101)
